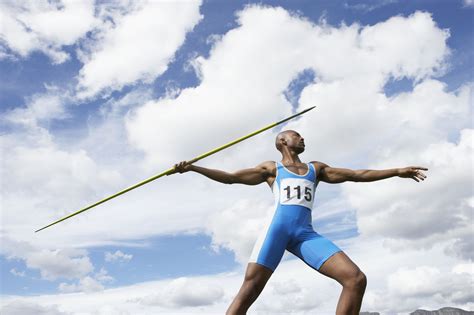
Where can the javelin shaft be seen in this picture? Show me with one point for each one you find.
(171, 170)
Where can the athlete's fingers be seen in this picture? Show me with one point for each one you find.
(414, 177)
(420, 168)
(420, 175)
(173, 171)
(181, 166)
(177, 168)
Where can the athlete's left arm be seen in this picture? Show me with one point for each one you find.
(335, 175)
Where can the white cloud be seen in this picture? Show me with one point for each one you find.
(19, 307)
(240, 82)
(103, 276)
(58, 264)
(40, 109)
(86, 284)
(126, 41)
(138, 48)
(185, 292)
(369, 6)
(52, 264)
(118, 256)
(250, 215)
(41, 175)
(464, 268)
(425, 281)
(412, 278)
(67, 181)
(17, 273)
(396, 201)
(293, 288)
(469, 3)
(45, 26)
(386, 43)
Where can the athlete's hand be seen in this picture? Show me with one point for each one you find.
(413, 172)
(182, 167)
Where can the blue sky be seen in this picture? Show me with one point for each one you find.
(88, 109)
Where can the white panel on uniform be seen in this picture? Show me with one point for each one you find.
(297, 191)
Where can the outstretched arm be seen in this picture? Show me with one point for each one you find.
(338, 175)
(249, 176)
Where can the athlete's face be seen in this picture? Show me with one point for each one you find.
(295, 141)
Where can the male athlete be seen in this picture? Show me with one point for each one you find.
(293, 184)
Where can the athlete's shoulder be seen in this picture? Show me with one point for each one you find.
(318, 166)
(318, 163)
(268, 166)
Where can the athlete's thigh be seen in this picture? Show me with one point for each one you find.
(270, 246)
(313, 248)
(339, 267)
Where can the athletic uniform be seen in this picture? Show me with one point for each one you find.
(290, 227)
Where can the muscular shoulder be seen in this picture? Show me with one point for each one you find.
(268, 167)
(319, 167)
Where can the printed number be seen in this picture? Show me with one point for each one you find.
(307, 192)
(287, 192)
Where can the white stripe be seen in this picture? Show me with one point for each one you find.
(268, 220)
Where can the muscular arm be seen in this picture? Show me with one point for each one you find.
(249, 176)
(339, 175)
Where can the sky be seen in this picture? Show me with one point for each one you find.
(96, 96)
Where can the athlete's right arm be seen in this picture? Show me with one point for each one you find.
(249, 176)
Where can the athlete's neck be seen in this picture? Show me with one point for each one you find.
(290, 159)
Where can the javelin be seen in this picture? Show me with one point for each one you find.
(171, 170)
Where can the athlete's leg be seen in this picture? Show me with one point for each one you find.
(255, 279)
(266, 255)
(327, 258)
(342, 269)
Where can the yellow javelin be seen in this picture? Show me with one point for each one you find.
(171, 170)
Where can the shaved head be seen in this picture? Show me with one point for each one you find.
(282, 136)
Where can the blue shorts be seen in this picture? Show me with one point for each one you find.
(290, 228)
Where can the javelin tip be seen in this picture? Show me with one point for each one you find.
(305, 110)
(40, 229)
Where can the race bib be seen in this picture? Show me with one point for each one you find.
(297, 191)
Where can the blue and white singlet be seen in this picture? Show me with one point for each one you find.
(290, 227)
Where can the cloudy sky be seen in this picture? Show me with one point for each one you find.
(96, 96)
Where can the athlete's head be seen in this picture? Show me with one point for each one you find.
(290, 139)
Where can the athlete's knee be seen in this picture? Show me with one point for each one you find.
(252, 287)
(361, 280)
(357, 280)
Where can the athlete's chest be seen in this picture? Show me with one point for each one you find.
(297, 169)
(295, 187)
